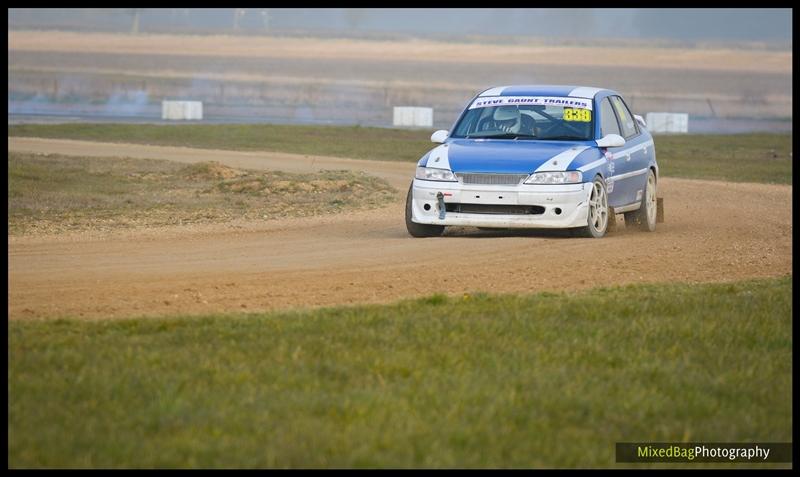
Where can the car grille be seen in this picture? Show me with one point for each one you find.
(495, 209)
(491, 179)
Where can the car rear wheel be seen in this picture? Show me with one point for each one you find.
(645, 216)
(419, 230)
(598, 211)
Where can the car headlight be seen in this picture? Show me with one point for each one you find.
(432, 174)
(567, 177)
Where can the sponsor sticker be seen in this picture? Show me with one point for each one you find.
(567, 102)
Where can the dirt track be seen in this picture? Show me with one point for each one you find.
(714, 231)
(725, 59)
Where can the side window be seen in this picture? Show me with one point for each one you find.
(466, 124)
(608, 120)
(625, 118)
(470, 122)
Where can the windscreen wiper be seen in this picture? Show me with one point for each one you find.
(565, 138)
(505, 136)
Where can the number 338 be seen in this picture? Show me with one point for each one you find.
(583, 115)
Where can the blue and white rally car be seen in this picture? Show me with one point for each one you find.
(537, 157)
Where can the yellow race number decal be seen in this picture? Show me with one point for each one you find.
(574, 114)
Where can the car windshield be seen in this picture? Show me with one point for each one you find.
(527, 117)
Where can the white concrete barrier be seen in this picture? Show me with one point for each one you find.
(412, 116)
(667, 122)
(180, 110)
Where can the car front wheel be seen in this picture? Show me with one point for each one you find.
(419, 230)
(598, 211)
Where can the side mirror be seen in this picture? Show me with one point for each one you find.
(640, 120)
(439, 136)
(611, 140)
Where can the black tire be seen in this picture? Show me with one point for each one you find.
(644, 218)
(420, 230)
(596, 227)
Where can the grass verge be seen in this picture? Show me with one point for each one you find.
(54, 193)
(758, 157)
(354, 142)
(474, 381)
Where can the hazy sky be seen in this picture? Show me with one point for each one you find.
(772, 25)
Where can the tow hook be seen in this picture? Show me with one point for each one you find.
(442, 208)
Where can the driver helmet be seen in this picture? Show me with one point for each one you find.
(507, 118)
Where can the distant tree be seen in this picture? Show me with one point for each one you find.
(265, 18)
(238, 13)
(135, 14)
(353, 17)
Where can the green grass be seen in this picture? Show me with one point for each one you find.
(473, 381)
(757, 157)
(54, 193)
(341, 141)
(733, 157)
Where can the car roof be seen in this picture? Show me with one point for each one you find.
(546, 90)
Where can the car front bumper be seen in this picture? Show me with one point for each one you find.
(565, 205)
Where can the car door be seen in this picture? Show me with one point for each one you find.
(632, 175)
(609, 124)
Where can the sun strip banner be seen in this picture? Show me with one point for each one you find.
(491, 101)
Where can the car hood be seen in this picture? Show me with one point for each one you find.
(508, 156)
